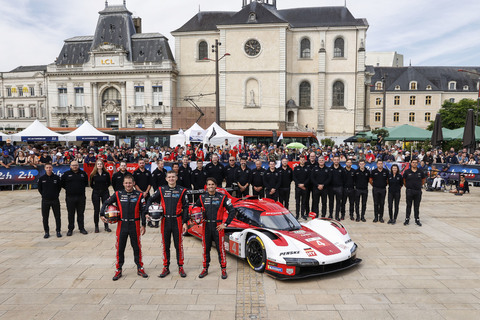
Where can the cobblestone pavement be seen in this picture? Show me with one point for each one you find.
(408, 272)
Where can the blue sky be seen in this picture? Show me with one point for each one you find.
(426, 32)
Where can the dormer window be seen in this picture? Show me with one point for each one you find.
(465, 88)
(413, 85)
(429, 87)
(452, 85)
(252, 17)
(397, 87)
(379, 85)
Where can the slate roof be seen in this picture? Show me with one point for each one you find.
(437, 77)
(30, 68)
(266, 14)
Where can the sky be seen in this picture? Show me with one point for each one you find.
(426, 32)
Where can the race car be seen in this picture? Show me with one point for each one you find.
(271, 240)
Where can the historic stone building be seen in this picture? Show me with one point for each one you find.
(413, 95)
(295, 69)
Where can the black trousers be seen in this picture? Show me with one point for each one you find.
(335, 197)
(210, 235)
(415, 197)
(172, 227)
(260, 194)
(379, 201)
(308, 195)
(96, 197)
(393, 203)
(361, 194)
(284, 196)
(243, 193)
(124, 230)
(348, 193)
(75, 204)
(300, 202)
(55, 205)
(273, 196)
(317, 195)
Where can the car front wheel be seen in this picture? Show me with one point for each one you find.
(256, 255)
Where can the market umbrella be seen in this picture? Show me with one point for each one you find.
(295, 145)
(437, 134)
(469, 131)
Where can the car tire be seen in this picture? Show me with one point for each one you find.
(256, 254)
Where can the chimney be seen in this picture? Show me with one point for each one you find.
(137, 22)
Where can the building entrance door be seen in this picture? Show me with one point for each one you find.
(111, 121)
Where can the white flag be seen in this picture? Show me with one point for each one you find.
(281, 137)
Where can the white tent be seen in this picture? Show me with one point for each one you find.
(177, 139)
(87, 132)
(195, 133)
(3, 136)
(216, 136)
(37, 132)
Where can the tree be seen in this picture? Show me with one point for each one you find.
(454, 113)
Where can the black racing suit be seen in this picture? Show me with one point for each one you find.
(174, 202)
(214, 207)
(286, 177)
(379, 183)
(413, 185)
(49, 187)
(395, 184)
(131, 206)
(74, 184)
(320, 177)
(361, 191)
(99, 184)
(335, 195)
(301, 175)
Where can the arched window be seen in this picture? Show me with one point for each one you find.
(202, 50)
(158, 124)
(413, 85)
(379, 85)
(291, 117)
(305, 94)
(139, 123)
(305, 48)
(338, 94)
(63, 123)
(113, 95)
(339, 50)
(78, 122)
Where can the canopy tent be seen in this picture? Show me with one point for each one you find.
(4, 137)
(407, 133)
(216, 136)
(87, 132)
(458, 133)
(195, 133)
(177, 139)
(37, 132)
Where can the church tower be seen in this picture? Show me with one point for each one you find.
(272, 3)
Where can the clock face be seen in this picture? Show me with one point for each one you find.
(252, 47)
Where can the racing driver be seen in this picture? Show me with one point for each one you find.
(130, 203)
(214, 205)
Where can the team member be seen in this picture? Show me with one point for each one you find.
(286, 177)
(257, 180)
(311, 163)
(215, 170)
(159, 175)
(379, 181)
(271, 181)
(362, 178)
(230, 172)
(214, 205)
(174, 201)
(185, 174)
(301, 177)
(395, 183)
(74, 181)
(243, 177)
(413, 179)
(349, 190)
(99, 182)
(131, 204)
(49, 186)
(199, 178)
(117, 178)
(143, 182)
(337, 183)
(320, 177)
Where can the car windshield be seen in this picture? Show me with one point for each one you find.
(282, 221)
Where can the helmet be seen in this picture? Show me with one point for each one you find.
(155, 211)
(112, 214)
(196, 214)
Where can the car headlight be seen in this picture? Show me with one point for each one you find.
(353, 249)
(305, 262)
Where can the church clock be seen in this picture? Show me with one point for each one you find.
(252, 47)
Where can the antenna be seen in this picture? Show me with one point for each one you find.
(106, 3)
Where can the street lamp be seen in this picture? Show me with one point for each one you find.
(478, 99)
(217, 78)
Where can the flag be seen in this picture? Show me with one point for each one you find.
(214, 133)
(281, 137)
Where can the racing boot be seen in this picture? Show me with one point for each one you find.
(224, 273)
(118, 275)
(204, 273)
(181, 272)
(407, 221)
(141, 273)
(165, 272)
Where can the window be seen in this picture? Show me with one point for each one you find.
(21, 112)
(202, 50)
(397, 87)
(338, 94)
(378, 117)
(9, 92)
(14, 90)
(290, 117)
(62, 97)
(10, 112)
(305, 94)
(79, 97)
(78, 122)
(396, 101)
(379, 85)
(413, 85)
(139, 96)
(64, 123)
(428, 115)
(428, 100)
(396, 117)
(40, 88)
(157, 96)
(412, 100)
(452, 85)
(429, 87)
(20, 92)
(411, 117)
(465, 88)
(33, 112)
(305, 48)
(113, 95)
(139, 123)
(158, 124)
(32, 91)
(338, 51)
(378, 101)
(452, 100)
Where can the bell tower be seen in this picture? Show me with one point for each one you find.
(272, 3)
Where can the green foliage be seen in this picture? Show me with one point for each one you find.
(431, 125)
(327, 142)
(454, 114)
(457, 144)
(425, 145)
(381, 132)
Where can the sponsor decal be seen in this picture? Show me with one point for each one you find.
(299, 232)
(234, 247)
(348, 241)
(273, 213)
(341, 246)
(312, 215)
(310, 252)
(273, 268)
(313, 239)
(290, 271)
(288, 253)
